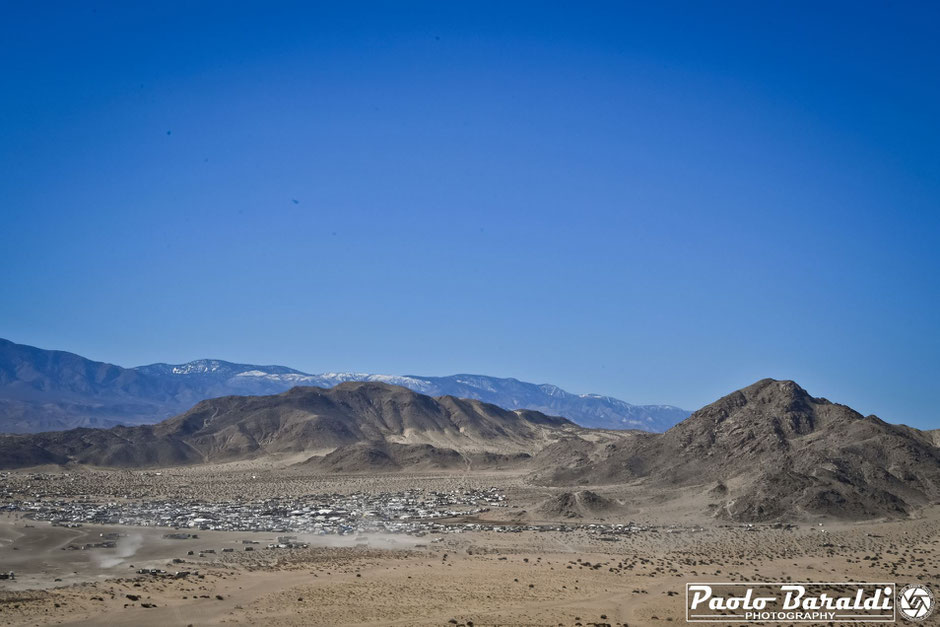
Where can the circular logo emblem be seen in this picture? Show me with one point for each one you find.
(915, 602)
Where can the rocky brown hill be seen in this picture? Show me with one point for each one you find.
(580, 504)
(302, 420)
(767, 451)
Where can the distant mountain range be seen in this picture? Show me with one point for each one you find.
(45, 390)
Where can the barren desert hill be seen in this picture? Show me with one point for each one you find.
(766, 451)
(302, 420)
(578, 504)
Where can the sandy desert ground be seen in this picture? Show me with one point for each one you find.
(476, 577)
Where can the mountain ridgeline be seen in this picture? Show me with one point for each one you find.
(44, 390)
(305, 422)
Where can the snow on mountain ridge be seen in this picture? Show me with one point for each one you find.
(199, 366)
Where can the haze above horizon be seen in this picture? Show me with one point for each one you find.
(657, 203)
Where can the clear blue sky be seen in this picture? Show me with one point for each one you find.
(657, 201)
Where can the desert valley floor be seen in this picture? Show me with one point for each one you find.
(495, 551)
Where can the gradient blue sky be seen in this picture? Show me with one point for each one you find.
(657, 201)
